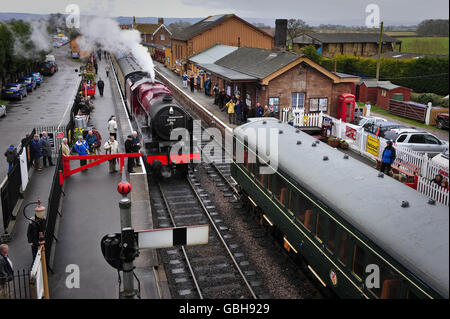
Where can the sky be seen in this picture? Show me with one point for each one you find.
(348, 12)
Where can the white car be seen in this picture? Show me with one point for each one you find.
(2, 110)
(441, 160)
(361, 120)
(416, 140)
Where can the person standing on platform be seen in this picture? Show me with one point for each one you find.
(259, 111)
(388, 157)
(11, 156)
(95, 66)
(101, 86)
(129, 148)
(251, 113)
(221, 100)
(92, 141)
(36, 231)
(36, 152)
(216, 94)
(136, 147)
(46, 149)
(82, 148)
(112, 147)
(99, 140)
(112, 127)
(199, 83)
(192, 83)
(238, 111)
(107, 68)
(290, 117)
(185, 80)
(6, 272)
(231, 115)
(65, 147)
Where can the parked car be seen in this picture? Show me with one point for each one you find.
(14, 91)
(29, 81)
(416, 140)
(37, 77)
(442, 160)
(48, 68)
(362, 120)
(442, 121)
(50, 58)
(380, 128)
(75, 54)
(2, 110)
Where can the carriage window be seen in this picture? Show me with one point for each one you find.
(389, 282)
(269, 182)
(305, 211)
(320, 226)
(358, 267)
(344, 247)
(291, 201)
(279, 188)
(331, 242)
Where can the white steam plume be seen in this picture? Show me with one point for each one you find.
(106, 33)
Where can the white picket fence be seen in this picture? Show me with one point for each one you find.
(357, 138)
(432, 190)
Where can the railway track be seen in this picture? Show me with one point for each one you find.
(216, 270)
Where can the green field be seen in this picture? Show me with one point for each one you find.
(427, 45)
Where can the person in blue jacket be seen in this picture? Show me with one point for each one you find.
(36, 151)
(259, 110)
(82, 148)
(388, 157)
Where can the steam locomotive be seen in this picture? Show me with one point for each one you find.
(166, 129)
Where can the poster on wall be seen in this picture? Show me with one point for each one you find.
(323, 104)
(313, 105)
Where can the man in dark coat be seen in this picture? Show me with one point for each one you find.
(101, 86)
(216, 93)
(251, 112)
(6, 272)
(46, 149)
(95, 66)
(11, 156)
(36, 152)
(259, 110)
(36, 231)
(129, 148)
(136, 147)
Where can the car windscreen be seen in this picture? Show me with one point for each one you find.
(12, 87)
(360, 121)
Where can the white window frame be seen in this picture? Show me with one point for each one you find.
(297, 97)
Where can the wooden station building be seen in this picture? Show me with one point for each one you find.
(227, 29)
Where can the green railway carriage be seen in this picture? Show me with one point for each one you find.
(362, 235)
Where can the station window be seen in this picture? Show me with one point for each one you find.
(331, 240)
(389, 283)
(344, 247)
(358, 266)
(320, 226)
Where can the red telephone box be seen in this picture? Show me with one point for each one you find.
(346, 107)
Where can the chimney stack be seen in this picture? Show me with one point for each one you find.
(280, 33)
(160, 21)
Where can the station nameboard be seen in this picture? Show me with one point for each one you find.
(372, 145)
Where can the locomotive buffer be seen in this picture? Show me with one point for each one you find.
(120, 249)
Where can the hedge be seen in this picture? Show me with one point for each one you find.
(411, 73)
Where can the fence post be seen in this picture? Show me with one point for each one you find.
(427, 116)
(424, 166)
(320, 119)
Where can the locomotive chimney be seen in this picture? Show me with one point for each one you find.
(160, 21)
(280, 33)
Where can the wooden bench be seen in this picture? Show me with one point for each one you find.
(406, 168)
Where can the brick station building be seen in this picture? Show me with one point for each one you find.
(280, 79)
(380, 92)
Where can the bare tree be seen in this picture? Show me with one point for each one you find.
(295, 27)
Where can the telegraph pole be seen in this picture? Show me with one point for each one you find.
(379, 51)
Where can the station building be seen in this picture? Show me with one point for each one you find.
(277, 78)
(227, 29)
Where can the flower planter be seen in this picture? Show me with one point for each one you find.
(333, 143)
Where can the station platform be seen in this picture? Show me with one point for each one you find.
(199, 96)
(91, 210)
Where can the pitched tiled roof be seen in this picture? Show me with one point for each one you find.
(349, 37)
(200, 27)
(147, 28)
(258, 63)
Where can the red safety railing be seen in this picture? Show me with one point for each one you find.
(101, 158)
